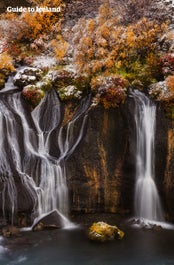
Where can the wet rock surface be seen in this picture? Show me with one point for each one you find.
(51, 220)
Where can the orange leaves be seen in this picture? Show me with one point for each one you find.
(96, 66)
(105, 32)
(6, 62)
(91, 25)
(142, 37)
(60, 47)
(113, 98)
(115, 46)
(86, 42)
(110, 90)
(170, 83)
(130, 38)
(105, 13)
(38, 23)
(52, 3)
(31, 33)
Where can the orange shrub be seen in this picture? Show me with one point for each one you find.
(60, 47)
(106, 41)
(6, 61)
(170, 83)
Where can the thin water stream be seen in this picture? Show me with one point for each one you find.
(147, 200)
(25, 152)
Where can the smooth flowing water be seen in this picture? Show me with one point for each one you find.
(65, 247)
(26, 156)
(147, 201)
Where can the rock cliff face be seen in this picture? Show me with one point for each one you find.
(101, 172)
(100, 179)
(169, 173)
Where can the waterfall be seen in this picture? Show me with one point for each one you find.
(147, 201)
(26, 157)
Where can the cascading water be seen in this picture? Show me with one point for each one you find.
(147, 201)
(26, 157)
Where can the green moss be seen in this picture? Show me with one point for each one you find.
(82, 83)
(69, 93)
(102, 232)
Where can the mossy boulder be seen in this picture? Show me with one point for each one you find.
(137, 84)
(102, 232)
(164, 92)
(69, 85)
(63, 78)
(52, 220)
(27, 76)
(109, 90)
(69, 93)
(32, 94)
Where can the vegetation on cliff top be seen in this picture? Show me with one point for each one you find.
(110, 54)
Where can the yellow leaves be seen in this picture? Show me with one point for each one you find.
(91, 25)
(143, 34)
(109, 63)
(105, 13)
(96, 66)
(118, 48)
(105, 32)
(101, 42)
(52, 3)
(30, 26)
(6, 62)
(90, 53)
(152, 59)
(123, 55)
(170, 83)
(87, 41)
(101, 53)
(130, 38)
(37, 23)
(118, 64)
(60, 47)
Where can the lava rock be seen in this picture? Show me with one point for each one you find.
(9, 231)
(52, 220)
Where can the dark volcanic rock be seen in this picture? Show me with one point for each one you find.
(100, 171)
(51, 220)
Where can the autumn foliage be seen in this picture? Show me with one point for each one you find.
(104, 45)
(170, 83)
(31, 33)
(6, 62)
(110, 91)
(107, 53)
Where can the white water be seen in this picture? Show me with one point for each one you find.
(26, 153)
(147, 201)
